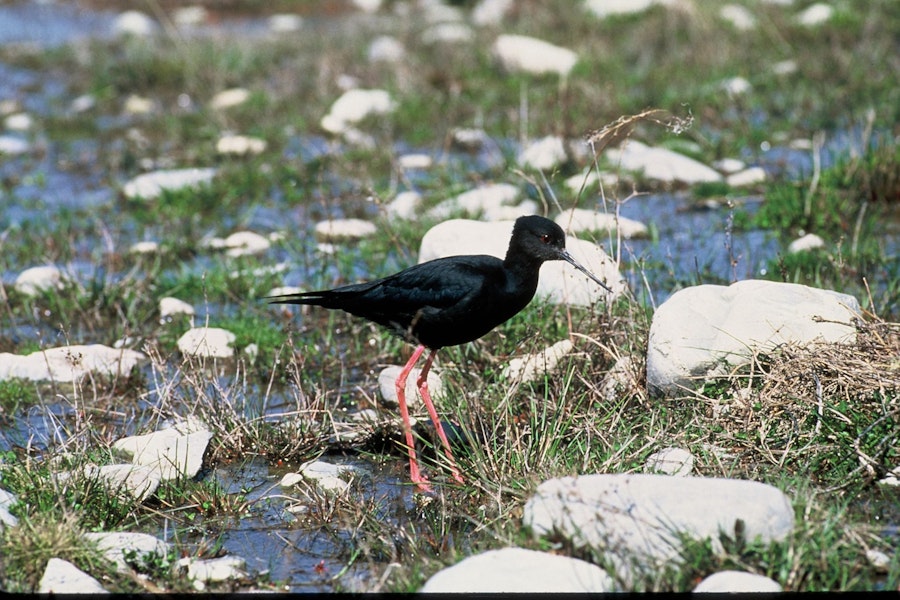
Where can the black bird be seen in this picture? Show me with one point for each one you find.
(449, 301)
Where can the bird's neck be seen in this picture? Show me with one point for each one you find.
(521, 270)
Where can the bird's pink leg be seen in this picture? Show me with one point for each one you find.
(426, 397)
(414, 474)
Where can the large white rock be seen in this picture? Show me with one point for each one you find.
(133, 22)
(240, 145)
(169, 307)
(228, 98)
(354, 106)
(485, 199)
(661, 164)
(608, 8)
(172, 453)
(737, 582)
(534, 366)
(560, 283)
(490, 12)
(580, 220)
(342, 230)
(7, 499)
(212, 342)
(511, 570)
(544, 154)
(523, 54)
(12, 145)
(69, 363)
(62, 577)
(35, 280)
(705, 331)
(150, 185)
(116, 545)
(636, 520)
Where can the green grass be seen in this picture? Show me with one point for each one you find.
(317, 365)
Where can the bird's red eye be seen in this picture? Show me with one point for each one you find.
(546, 238)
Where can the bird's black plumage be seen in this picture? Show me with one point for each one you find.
(456, 299)
(449, 301)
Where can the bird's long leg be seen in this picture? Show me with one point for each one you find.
(426, 397)
(414, 474)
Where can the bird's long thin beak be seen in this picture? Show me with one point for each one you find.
(568, 258)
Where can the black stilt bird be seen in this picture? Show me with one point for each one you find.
(449, 301)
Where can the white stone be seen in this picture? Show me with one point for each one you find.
(808, 242)
(636, 520)
(386, 384)
(244, 243)
(736, 86)
(211, 342)
(511, 570)
(737, 582)
(816, 15)
(83, 103)
(171, 452)
(534, 366)
(7, 499)
(138, 481)
(484, 199)
(145, 247)
(730, 165)
(150, 185)
(580, 220)
(138, 105)
(290, 479)
(338, 230)
(490, 12)
(879, 560)
(404, 205)
(319, 469)
(523, 54)
(169, 306)
(559, 283)
(739, 16)
(368, 6)
(607, 8)
(137, 546)
(12, 145)
(544, 154)
(670, 461)
(469, 138)
(354, 106)
(661, 164)
(66, 364)
(240, 145)
(285, 23)
(785, 67)
(228, 98)
(386, 48)
(133, 22)
(214, 569)
(62, 577)
(448, 33)
(190, 16)
(705, 331)
(18, 122)
(415, 161)
(36, 280)
(747, 177)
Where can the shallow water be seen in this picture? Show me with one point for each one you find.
(694, 244)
